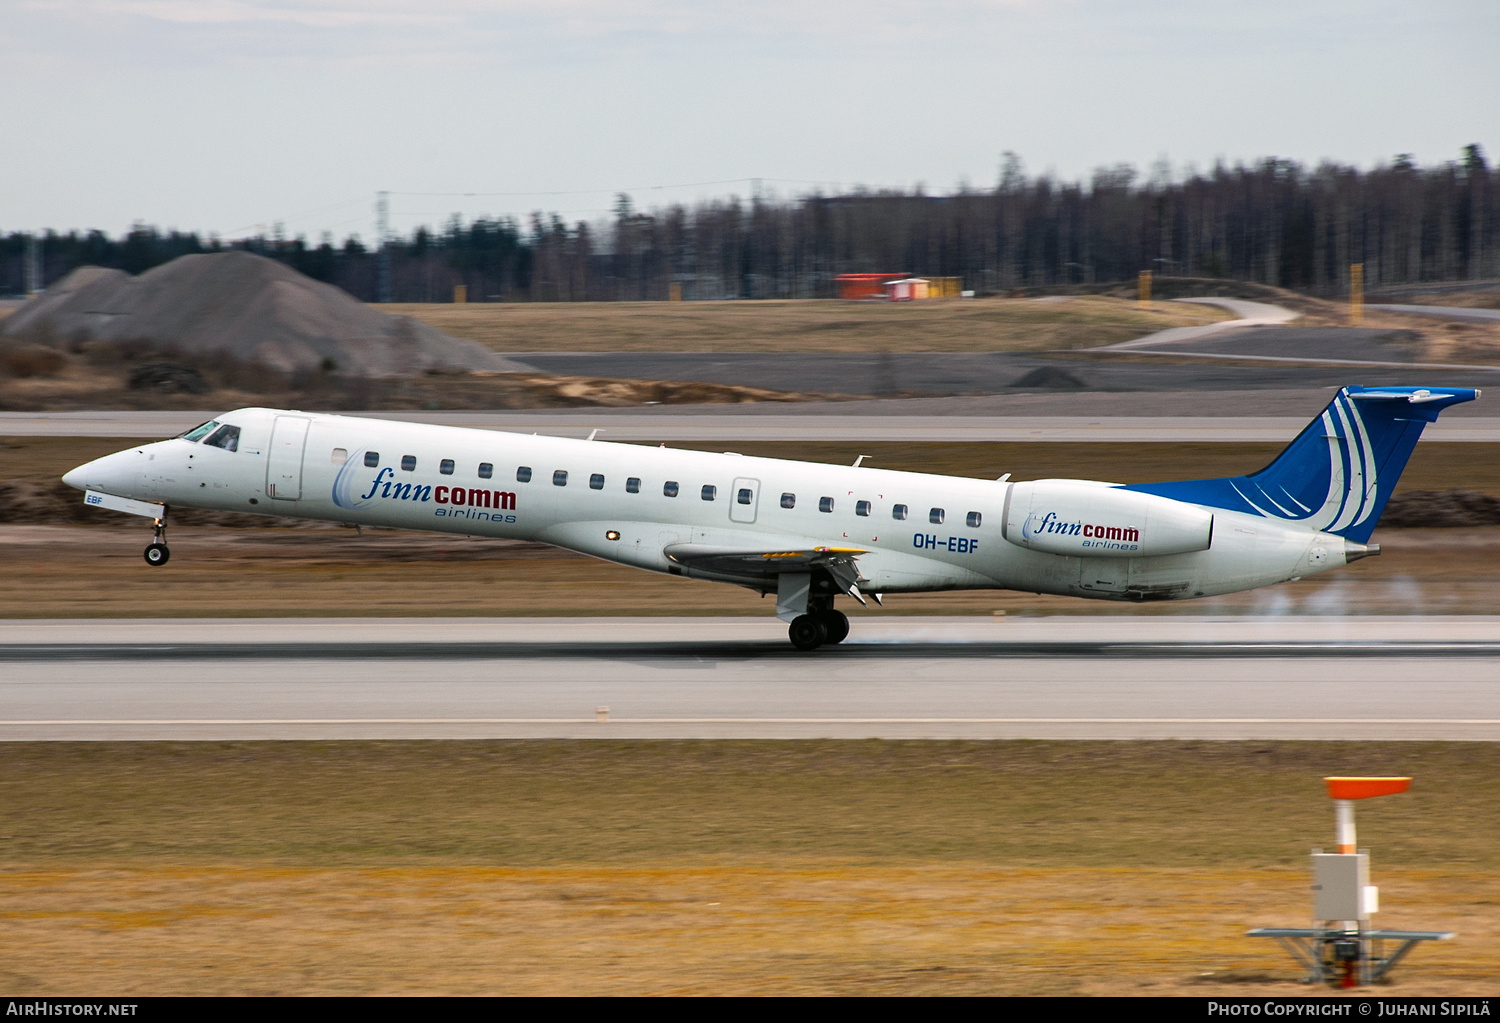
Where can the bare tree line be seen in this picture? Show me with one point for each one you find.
(1273, 222)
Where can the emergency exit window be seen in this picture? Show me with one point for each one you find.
(899, 512)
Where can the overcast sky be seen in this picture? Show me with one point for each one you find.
(224, 115)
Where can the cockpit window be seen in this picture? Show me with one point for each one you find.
(197, 433)
(227, 437)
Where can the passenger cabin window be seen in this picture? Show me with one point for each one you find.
(710, 491)
(408, 463)
(935, 516)
(340, 456)
(560, 478)
(825, 504)
(446, 467)
(523, 474)
(372, 459)
(486, 470)
(973, 519)
(745, 496)
(200, 431)
(633, 485)
(898, 512)
(596, 481)
(227, 437)
(862, 508)
(669, 488)
(789, 500)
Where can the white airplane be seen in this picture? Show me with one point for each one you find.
(806, 532)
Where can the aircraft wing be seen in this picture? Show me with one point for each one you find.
(838, 562)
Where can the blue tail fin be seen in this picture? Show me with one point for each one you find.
(1340, 471)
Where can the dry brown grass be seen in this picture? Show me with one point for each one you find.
(83, 572)
(671, 929)
(981, 325)
(55, 380)
(741, 867)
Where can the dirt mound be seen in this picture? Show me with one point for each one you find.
(244, 307)
(168, 378)
(1442, 508)
(1050, 378)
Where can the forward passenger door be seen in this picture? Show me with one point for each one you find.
(284, 462)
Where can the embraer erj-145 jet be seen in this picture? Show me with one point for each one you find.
(803, 531)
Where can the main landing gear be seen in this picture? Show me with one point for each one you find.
(157, 552)
(812, 630)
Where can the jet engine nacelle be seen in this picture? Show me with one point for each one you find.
(1093, 520)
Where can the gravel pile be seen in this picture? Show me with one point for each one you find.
(1442, 508)
(245, 307)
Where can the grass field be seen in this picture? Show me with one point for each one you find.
(739, 867)
(82, 572)
(981, 325)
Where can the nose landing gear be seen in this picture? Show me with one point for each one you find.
(157, 552)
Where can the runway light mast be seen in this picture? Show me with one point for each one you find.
(1341, 946)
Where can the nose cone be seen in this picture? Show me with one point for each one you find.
(117, 474)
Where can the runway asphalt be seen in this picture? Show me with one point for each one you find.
(1244, 359)
(781, 422)
(1061, 677)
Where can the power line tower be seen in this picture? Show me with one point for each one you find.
(34, 278)
(382, 244)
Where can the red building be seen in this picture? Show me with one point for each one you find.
(865, 286)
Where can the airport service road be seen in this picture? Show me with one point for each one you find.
(651, 427)
(1122, 677)
(1442, 312)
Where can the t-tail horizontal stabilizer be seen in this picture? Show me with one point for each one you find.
(1339, 473)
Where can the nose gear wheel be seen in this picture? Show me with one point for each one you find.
(156, 553)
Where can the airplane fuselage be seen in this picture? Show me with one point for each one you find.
(636, 505)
